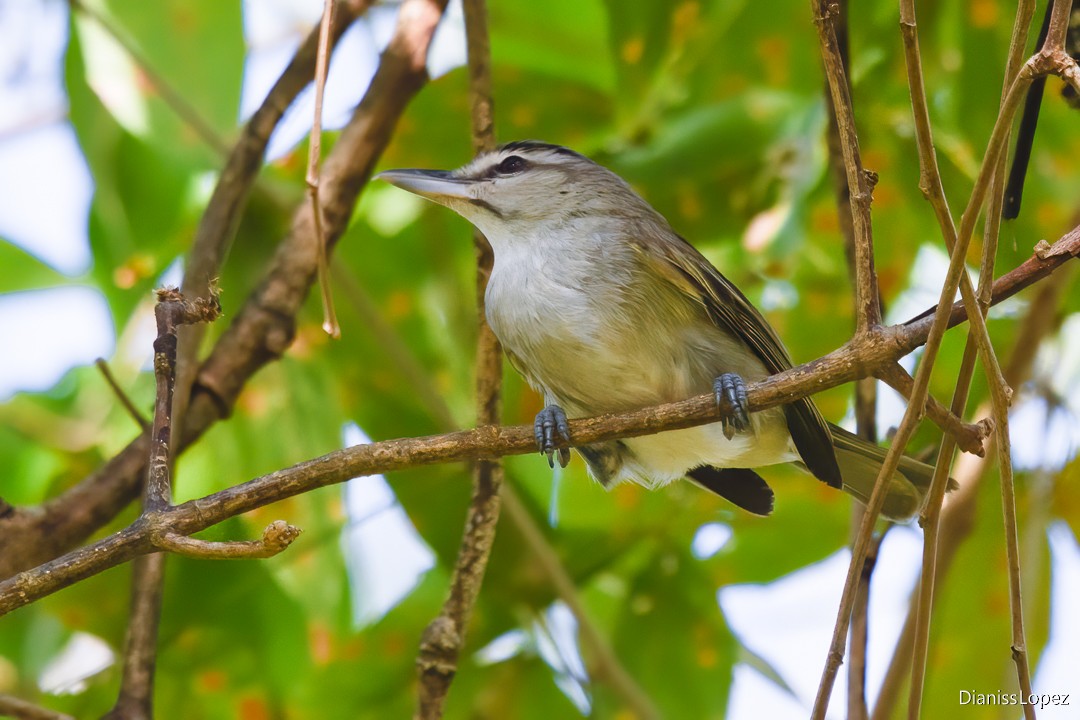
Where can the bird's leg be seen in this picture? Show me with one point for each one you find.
(730, 388)
(551, 425)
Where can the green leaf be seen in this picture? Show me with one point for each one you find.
(565, 40)
(670, 599)
(24, 271)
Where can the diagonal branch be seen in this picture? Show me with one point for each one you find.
(957, 517)
(968, 437)
(11, 706)
(263, 327)
(977, 337)
(858, 358)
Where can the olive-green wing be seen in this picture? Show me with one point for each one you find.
(729, 309)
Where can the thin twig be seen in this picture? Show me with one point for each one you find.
(122, 396)
(330, 323)
(969, 437)
(858, 357)
(445, 636)
(860, 183)
(1039, 64)
(135, 700)
(14, 707)
(277, 536)
(957, 518)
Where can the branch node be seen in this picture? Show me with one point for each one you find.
(438, 647)
(872, 178)
(277, 536)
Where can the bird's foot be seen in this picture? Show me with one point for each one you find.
(551, 426)
(730, 388)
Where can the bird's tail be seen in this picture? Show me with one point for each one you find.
(860, 462)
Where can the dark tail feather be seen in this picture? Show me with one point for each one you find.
(740, 486)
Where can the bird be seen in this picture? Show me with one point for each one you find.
(604, 308)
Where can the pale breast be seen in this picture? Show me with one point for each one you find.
(599, 336)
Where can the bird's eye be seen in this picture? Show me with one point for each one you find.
(511, 165)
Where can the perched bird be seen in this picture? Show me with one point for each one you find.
(604, 308)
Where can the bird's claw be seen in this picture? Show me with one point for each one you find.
(729, 388)
(549, 428)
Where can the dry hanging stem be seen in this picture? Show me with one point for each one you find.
(330, 323)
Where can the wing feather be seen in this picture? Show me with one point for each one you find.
(728, 308)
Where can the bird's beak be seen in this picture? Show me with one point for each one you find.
(437, 185)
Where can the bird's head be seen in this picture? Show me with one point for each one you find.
(524, 187)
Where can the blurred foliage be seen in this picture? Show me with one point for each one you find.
(714, 111)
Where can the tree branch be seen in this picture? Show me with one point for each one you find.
(977, 337)
(263, 328)
(135, 700)
(958, 516)
(860, 183)
(968, 437)
(999, 392)
(11, 706)
(860, 357)
(136, 696)
(444, 637)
